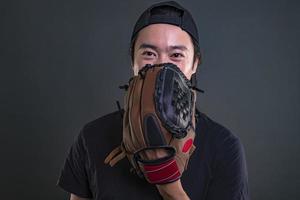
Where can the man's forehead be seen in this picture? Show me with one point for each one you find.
(164, 33)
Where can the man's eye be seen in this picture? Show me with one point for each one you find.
(148, 53)
(177, 55)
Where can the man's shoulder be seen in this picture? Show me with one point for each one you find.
(105, 119)
(107, 123)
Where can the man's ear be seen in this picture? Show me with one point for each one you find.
(132, 66)
(195, 65)
(135, 69)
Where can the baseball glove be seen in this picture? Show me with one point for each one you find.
(158, 124)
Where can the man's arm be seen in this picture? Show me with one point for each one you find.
(74, 197)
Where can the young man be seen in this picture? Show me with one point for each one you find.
(165, 33)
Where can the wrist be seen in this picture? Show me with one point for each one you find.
(172, 191)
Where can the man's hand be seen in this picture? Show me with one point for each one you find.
(172, 191)
(169, 191)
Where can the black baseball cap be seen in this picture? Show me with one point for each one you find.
(185, 20)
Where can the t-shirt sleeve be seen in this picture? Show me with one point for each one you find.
(73, 177)
(229, 174)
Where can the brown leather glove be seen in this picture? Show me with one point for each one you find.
(158, 124)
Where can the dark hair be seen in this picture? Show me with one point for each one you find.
(170, 11)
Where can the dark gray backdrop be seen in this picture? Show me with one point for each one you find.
(62, 62)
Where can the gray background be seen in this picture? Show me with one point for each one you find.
(62, 62)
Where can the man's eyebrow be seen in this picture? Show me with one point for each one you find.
(144, 46)
(173, 47)
(180, 47)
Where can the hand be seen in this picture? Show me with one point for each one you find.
(172, 191)
(169, 191)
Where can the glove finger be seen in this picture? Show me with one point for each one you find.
(112, 154)
(117, 158)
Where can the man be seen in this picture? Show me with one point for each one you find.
(165, 33)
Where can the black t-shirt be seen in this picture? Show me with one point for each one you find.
(216, 170)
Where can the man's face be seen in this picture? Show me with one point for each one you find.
(162, 43)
